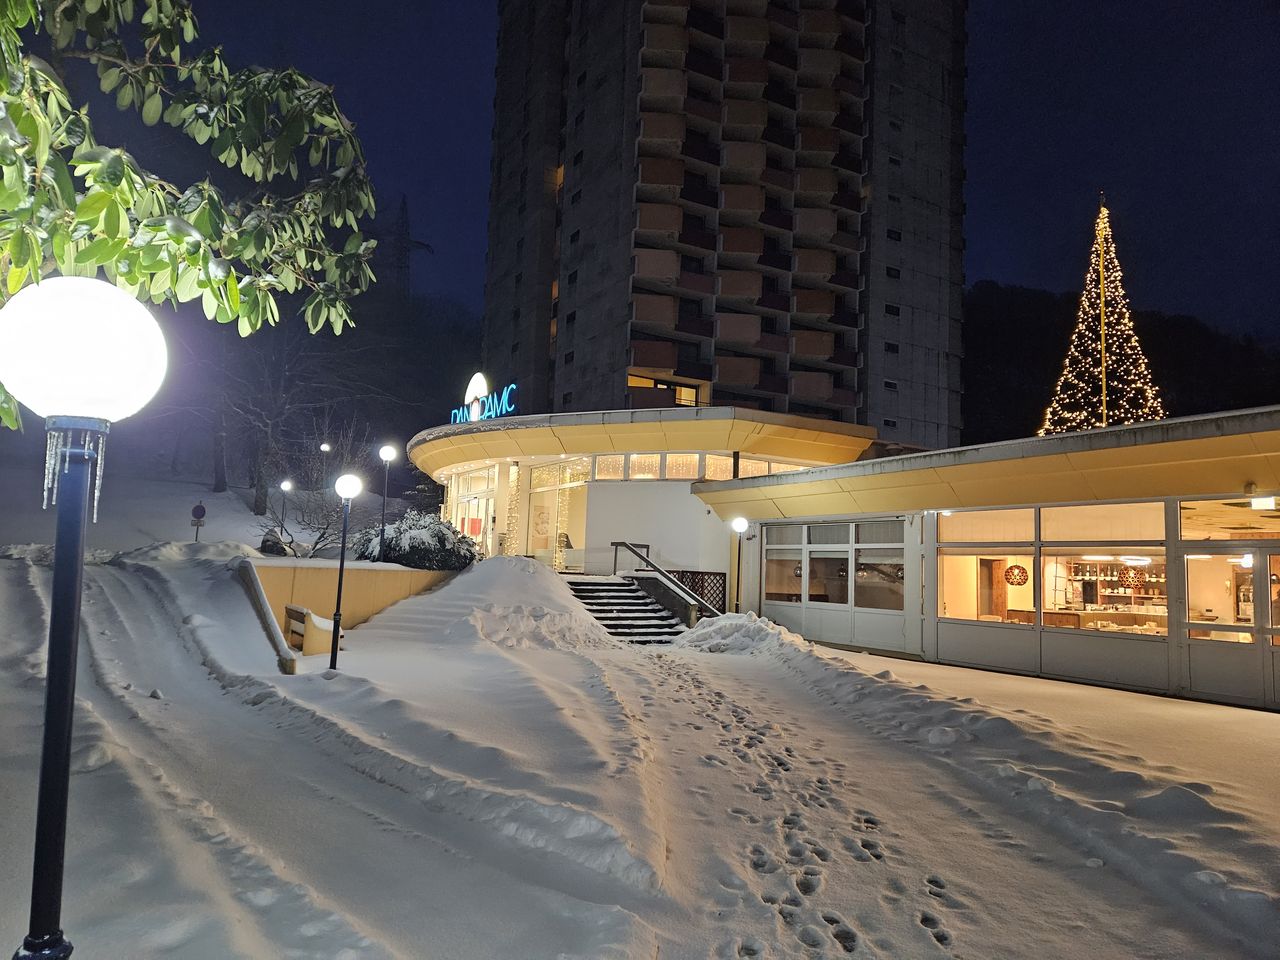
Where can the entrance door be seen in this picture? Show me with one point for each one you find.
(1227, 617)
(1268, 606)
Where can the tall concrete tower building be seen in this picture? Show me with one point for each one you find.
(754, 203)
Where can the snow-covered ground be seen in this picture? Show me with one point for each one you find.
(489, 775)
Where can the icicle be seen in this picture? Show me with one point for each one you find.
(59, 446)
(97, 477)
(48, 469)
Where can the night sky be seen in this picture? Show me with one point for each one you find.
(1171, 106)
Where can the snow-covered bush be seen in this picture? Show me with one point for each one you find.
(420, 540)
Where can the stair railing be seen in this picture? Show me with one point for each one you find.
(676, 586)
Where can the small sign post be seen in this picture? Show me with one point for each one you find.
(197, 518)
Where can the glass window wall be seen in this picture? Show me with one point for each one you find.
(995, 584)
(878, 579)
(783, 575)
(682, 466)
(987, 526)
(1220, 601)
(1248, 518)
(1106, 588)
(829, 577)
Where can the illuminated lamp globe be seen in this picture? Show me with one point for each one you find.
(348, 486)
(739, 524)
(80, 347)
(286, 485)
(387, 453)
(325, 448)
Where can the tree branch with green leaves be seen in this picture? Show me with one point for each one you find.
(74, 206)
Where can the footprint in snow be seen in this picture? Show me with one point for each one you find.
(933, 924)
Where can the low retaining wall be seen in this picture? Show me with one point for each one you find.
(367, 588)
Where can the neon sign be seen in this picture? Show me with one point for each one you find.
(480, 403)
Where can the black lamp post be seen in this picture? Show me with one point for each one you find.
(285, 487)
(739, 525)
(348, 486)
(114, 365)
(387, 454)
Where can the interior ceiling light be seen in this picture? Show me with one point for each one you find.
(1263, 503)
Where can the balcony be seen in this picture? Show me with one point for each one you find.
(844, 397)
(849, 123)
(745, 36)
(783, 16)
(694, 370)
(779, 137)
(848, 86)
(779, 95)
(818, 144)
(777, 301)
(777, 219)
(662, 88)
(775, 260)
(707, 23)
(659, 355)
(845, 318)
(818, 107)
(741, 202)
(815, 223)
(659, 178)
(747, 159)
(657, 266)
(659, 220)
(847, 240)
(654, 310)
(818, 66)
(744, 119)
(664, 45)
(697, 193)
(811, 385)
(772, 383)
(850, 47)
(741, 240)
(699, 239)
(737, 371)
(816, 303)
(738, 328)
(696, 325)
(782, 56)
(749, 72)
(814, 344)
(740, 284)
(848, 160)
(702, 108)
(783, 180)
(701, 62)
(845, 357)
(815, 263)
(848, 200)
(850, 279)
(661, 133)
(701, 150)
(694, 282)
(824, 24)
(817, 183)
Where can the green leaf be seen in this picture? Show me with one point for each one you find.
(112, 169)
(17, 276)
(9, 414)
(19, 248)
(233, 292)
(91, 207)
(151, 109)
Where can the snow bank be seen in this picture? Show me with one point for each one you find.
(1174, 838)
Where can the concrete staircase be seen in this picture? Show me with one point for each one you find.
(624, 610)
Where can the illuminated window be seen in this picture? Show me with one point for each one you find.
(576, 471)
(880, 531)
(783, 575)
(1247, 518)
(682, 466)
(829, 576)
(752, 468)
(825, 533)
(645, 466)
(878, 579)
(1103, 521)
(1220, 602)
(991, 585)
(785, 467)
(634, 381)
(719, 468)
(1122, 589)
(785, 534)
(545, 476)
(560, 176)
(686, 396)
(609, 467)
(990, 526)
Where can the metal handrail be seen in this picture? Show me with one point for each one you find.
(679, 588)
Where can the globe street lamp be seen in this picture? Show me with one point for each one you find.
(325, 448)
(348, 486)
(82, 354)
(285, 487)
(739, 526)
(387, 454)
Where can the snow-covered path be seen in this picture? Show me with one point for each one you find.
(490, 779)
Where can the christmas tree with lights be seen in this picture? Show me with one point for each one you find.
(1105, 380)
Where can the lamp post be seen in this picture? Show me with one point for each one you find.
(387, 454)
(348, 486)
(82, 354)
(739, 526)
(325, 448)
(285, 487)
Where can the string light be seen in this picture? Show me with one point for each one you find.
(1105, 379)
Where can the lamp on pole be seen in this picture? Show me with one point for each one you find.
(82, 354)
(325, 448)
(285, 487)
(739, 526)
(348, 487)
(387, 454)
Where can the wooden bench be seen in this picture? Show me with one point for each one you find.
(309, 633)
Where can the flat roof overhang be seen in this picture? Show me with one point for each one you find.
(1202, 455)
(753, 432)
